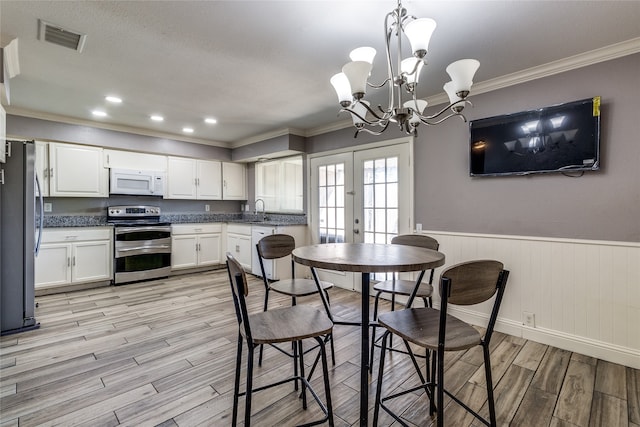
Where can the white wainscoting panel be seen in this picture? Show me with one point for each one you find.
(585, 294)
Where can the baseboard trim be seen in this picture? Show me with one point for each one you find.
(599, 349)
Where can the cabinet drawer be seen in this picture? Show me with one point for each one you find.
(73, 234)
(178, 229)
(244, 229)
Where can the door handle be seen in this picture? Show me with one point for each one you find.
(356, 231)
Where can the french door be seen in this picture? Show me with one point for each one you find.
(359, 196)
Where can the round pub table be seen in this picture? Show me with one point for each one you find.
(366, 258)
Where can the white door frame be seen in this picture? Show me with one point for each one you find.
(342, 279)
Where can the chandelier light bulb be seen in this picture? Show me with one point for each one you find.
(342, 87)
(408, 66)
(419, 32)
(364, 53)
(418, 107)
(357, 72)
(361, 110)
(451, 92)
(462, 72)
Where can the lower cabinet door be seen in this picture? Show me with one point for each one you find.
(91, 261)
(209, 249)
(53, 265)
(183, 251)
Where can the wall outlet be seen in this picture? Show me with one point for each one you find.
(529, 319)
(207, 208)
(48, 207)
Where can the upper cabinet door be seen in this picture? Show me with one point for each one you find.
(77, 171)
(181, 178)
(193, 179)
(120, 159)
(42, 167)
(209, 180)
(234, 181)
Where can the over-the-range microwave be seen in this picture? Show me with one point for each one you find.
(136, 182)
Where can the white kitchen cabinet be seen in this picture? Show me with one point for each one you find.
(42, 167)
(196, 245)
(280, 184)
(121, 159)
(74, 255)
(77, 171)
(239, 244)
(234, 181)
(209, 180)
(193, 179)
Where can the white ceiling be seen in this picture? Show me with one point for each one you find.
(263, 66)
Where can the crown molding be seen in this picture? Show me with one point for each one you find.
(607, 53)
(118, 128)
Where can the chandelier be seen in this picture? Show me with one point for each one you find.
(403, 108)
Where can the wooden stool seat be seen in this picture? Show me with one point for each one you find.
(420, 326)
(298, 287)
(404, 288)
(288, 324)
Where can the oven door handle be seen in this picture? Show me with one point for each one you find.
(123, 230)
(139, 248)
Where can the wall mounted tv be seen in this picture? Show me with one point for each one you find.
(559, 138)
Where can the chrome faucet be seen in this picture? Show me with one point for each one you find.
(264, 214)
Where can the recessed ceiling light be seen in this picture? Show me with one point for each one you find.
(113, 99)
(157, 118)
(99, 113)
(210, 120)
(187, 130)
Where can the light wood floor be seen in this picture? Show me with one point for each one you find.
(163, 353)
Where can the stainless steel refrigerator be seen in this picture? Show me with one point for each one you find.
(19, 237)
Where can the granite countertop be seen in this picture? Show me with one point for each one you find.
(51, 221)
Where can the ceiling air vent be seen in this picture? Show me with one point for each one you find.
(62, 37)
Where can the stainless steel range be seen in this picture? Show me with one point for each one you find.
(142, 244)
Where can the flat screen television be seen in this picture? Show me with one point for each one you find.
(558, 138)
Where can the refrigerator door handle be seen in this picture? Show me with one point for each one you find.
(41, 219)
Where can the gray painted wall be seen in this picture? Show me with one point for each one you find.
(601, 205)
(46, 130)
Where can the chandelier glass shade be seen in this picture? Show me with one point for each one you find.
(403, 76)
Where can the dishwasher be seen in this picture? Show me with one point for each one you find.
(257, 233)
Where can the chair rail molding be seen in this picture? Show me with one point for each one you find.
(585, 294)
